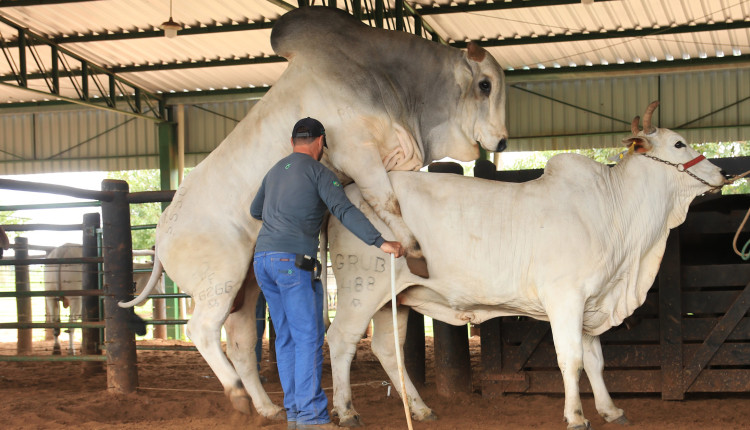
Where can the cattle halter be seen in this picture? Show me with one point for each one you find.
(683, 167)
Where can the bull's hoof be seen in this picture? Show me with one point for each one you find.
(428, 417)
(56, 351)
(241, 402)
(621, 420)
(350, 421)
(418, 266)
(584, 426)
(280, 415)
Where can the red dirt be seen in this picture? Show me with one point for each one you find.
(179, 391)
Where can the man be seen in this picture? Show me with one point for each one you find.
(292, 201)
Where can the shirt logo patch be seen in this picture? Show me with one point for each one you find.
(336, 184)
(288, 165)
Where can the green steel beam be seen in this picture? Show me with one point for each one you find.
(497, 5)
(614, 34)
(21, 3)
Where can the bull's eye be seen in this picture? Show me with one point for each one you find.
(679, 145)
(485, 87)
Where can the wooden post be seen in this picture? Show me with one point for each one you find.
(122, 374)
(492, 357)
(23, 304)
(452, 359)
(90, 304)
(414, 348)
(670, 320)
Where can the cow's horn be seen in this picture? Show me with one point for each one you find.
(647, 128)
(634, 126)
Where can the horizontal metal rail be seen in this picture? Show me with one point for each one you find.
(75, 293)
(27, 358)
(79, 324)
(34, 227)
(67, 205)
(36, 187)
(33, 261)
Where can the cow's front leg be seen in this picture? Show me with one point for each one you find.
(378, 193)
(566, 319)
(593, 362)
(383, 346)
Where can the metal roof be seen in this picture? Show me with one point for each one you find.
(225, 45)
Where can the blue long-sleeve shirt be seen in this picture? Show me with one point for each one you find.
(292, 201)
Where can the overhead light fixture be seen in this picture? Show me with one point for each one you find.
(170, 27)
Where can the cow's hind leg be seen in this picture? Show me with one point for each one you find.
(241, 338)
(593, 363)
(384, 348)
(204, 329)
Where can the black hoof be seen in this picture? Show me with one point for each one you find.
(351, 422)
(418, 266)
(622, 420)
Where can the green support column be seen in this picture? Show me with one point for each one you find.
(168, 171)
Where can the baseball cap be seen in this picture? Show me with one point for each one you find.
(308, 127)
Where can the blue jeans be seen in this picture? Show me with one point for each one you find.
(295, 303)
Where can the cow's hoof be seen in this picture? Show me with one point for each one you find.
(56, 351)
(584, 426)
(241, 402)
(280, 415)
(418, 266)
(621, 420)
(428, 417)
(350, 421)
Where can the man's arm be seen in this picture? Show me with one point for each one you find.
(332, 193)
(256, 207)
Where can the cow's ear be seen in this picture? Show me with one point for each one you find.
(637, 144)
(475, 52)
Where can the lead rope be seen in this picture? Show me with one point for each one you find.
(398, 346)
(743, 254)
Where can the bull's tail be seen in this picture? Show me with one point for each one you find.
(152, 282)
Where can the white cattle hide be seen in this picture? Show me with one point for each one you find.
(388, 101)
(578, 247)
(62, 277)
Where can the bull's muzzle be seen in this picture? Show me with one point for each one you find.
(502, 145)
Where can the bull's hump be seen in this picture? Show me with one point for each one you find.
(300, 31)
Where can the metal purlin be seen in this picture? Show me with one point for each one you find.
(21, 77)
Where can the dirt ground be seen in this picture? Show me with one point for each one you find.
(177, 390)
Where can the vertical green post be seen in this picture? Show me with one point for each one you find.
(168, 171)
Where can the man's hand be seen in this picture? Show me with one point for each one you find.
(394, 248)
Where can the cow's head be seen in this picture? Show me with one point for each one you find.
(479, 115)
(667, 147)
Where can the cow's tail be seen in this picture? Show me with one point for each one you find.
(152, 282)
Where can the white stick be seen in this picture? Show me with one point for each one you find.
(398, 346)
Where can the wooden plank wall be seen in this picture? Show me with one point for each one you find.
(691, 335)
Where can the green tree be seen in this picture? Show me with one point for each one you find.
(141, 214)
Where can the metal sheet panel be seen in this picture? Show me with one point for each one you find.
(76, 140)
(703, 107)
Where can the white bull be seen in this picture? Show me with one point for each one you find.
(61, 277)
(578, 247)
(388, 100)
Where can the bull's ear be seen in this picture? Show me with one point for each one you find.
(637, 144)
(475, 52)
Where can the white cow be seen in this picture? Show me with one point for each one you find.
(578, 247)
(60, 277)
(388, 100)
